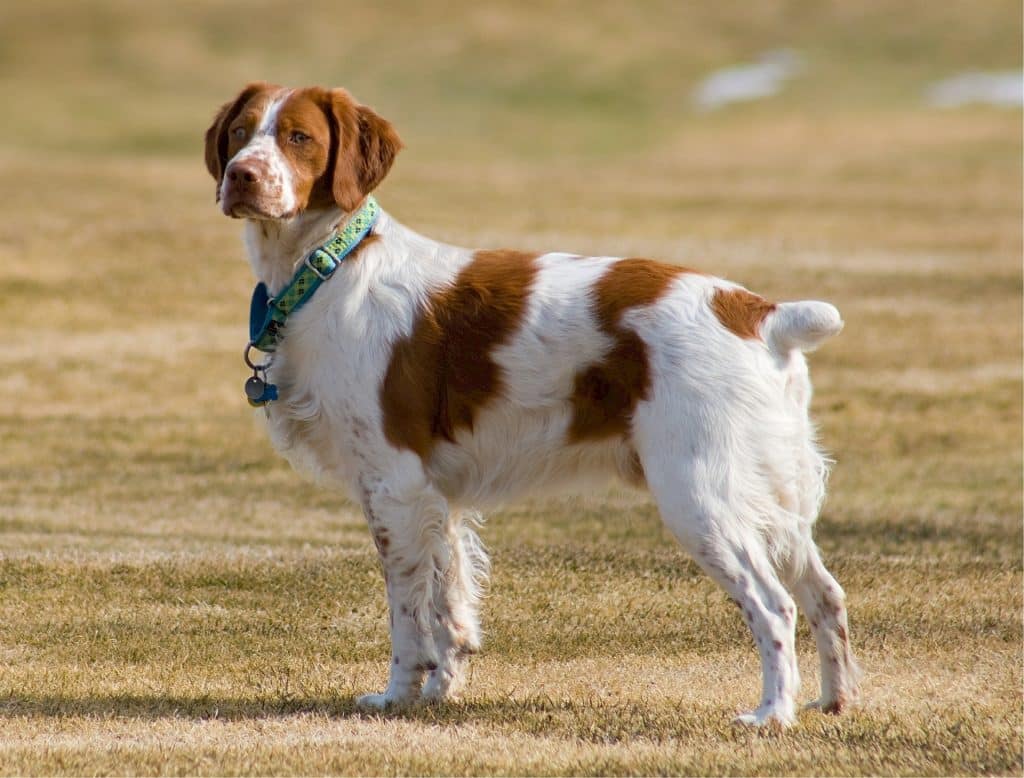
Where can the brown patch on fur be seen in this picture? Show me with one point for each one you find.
(443, 373)
(606, 393)
(741, 312)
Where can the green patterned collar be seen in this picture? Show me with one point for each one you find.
(268, 315)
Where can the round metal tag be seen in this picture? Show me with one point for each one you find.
(254, 388)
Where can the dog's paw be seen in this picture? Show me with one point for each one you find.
(767, 716)
(443, 684)
(834, 706)
(376, 702)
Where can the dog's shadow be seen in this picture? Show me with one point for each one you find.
(587, 718)
(590, 720)
(213, 707)
(159, 706)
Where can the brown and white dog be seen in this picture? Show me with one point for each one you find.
(428, 379)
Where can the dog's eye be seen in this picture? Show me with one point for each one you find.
(298, 137)
(239, 133)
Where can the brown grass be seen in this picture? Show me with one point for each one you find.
(175, 601)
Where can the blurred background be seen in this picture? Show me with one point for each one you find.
(554, 114)
(864, 152)
(867, 152)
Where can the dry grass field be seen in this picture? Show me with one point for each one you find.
(174, 600)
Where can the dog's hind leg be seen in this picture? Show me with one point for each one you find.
(456, 626)
(824, 604)
(818, 594)
(693, 495)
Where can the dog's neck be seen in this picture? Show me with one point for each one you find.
(276, 248)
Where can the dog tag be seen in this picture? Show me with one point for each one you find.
(255, 387)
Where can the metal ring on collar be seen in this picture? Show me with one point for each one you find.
(252, 365)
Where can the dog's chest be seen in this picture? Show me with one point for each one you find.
(328, 409)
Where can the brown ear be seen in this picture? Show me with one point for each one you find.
(217, 134)
(364, 147)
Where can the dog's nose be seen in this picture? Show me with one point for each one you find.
(244, 174)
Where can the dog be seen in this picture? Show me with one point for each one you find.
(429, 380)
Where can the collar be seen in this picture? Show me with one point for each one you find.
(268, 315)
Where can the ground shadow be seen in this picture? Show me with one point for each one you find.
(157, 706)
(589, 719)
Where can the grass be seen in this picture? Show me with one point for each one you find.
(175, 601)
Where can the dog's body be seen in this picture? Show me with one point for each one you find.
(426, 378)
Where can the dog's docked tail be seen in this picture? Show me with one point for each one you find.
(802, 325)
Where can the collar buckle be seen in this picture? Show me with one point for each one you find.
(314, 268)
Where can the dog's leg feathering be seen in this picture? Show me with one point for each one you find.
(458, 593)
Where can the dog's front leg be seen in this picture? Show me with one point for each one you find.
(408, 529)
(408, 662)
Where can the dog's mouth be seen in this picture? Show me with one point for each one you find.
(247, 210)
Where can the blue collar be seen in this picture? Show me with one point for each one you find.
(268, 315)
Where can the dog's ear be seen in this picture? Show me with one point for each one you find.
(217, 134)
(363, 147)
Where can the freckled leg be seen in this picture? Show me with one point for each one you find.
(818, 594)
(407, 667)
(770, 613)
(409, 533)
(823, 602)
(745, 572)
(733, 554)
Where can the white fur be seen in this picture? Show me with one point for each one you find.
(724, 439)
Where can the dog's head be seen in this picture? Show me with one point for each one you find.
(276, 152)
